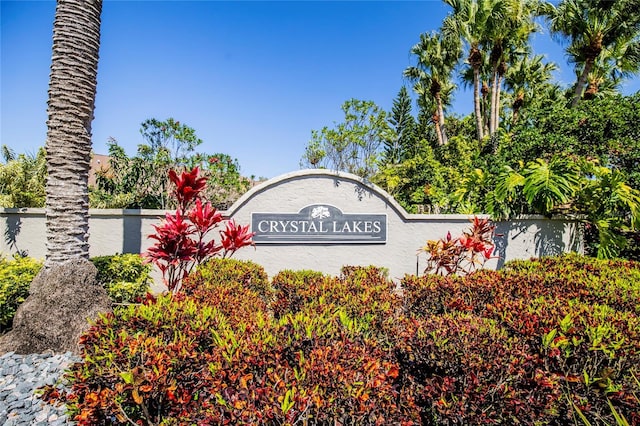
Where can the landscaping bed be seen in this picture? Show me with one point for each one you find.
(549, 341)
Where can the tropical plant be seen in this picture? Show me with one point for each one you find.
(597, 194)
(528, 80)
(72, 90)
(461, 255)
(611, 206)
(225, 184)
(437, 57)
(141, 181)
(469, 22)
(23, 179)
(416, 181)
(15, 278)
(182, 239)
(125, 276)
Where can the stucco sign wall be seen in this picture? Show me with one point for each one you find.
(323, 220)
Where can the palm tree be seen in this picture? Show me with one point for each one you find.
(466, 24)
(526, 80)
(437, 58)
(477, 24)
(72, 89)
(592, 27)
(612, 67)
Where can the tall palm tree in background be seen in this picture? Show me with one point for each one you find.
(72, 90)
(507, 39)
(592, 28)
(613, 66)
(467, 24)
(437, 58)
(526, 80)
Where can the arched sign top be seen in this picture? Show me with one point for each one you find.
(365, 188)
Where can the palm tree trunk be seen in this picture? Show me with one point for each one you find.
(476, 103)
(436, 122)
(496, 124)
(494, 99)
(443, 138)
(582, 81)
(72, 89)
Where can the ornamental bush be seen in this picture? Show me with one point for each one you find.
(550, 341)
(183, 238)
(218, 272)
(563, 342)
(125, 276)
(214, 354)
(15, 278)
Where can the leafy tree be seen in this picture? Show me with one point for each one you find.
(138, 182)
(72, 89)
(23, 179)
(225, 184)
(352, 146)
(141, 181)
(584, 131)
(178, 140)
(403, 125)
(416, 181)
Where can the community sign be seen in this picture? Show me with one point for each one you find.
(319, 224)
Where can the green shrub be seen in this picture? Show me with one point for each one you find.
(125, 276)
(15, 278)
(222, 271)
(364, 293)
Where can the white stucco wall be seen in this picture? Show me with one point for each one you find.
(126, 231)
(529, 237)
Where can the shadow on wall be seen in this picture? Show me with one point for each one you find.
(14, 225)
(132, 232)
(360, 190)
(547, 241)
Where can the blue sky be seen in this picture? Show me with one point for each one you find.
(252, 78)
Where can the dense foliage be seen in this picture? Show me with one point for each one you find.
(141, 181)
(22, 179)
(549, 341)
(497, 159)
(125, 276)
(15, 277)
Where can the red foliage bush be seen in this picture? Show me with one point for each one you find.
(550, 341)
(574, 320)
(181, 244)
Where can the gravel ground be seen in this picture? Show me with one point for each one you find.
(20, 376)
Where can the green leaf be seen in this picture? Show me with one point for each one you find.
(127, 376)
(548, 185)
